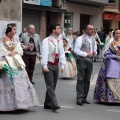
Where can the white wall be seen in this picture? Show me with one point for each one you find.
(95, 19)
(76, 22)
(4, 23)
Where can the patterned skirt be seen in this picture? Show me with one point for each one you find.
(70, 69)
(106, 90)
(17, 92)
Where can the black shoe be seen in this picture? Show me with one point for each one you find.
(86, 102)
(33, 82)
(80, 103)
(48, 107)
(56, 108)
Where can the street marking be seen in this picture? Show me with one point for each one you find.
(41, 105)
(66, 106)
(113, 110)
(60, 106)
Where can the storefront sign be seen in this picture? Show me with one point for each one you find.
(111, 16)
(39, 2)
(46, 3)
(36, 2)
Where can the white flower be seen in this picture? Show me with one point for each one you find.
(67, 52)
(101, 43)
(2, 63)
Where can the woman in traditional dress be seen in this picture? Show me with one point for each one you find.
(70, 66)
(16, 91)
(107, 87)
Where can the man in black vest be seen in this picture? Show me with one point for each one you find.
(31, 46)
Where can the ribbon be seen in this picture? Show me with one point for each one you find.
(10, 71)
(69, 55)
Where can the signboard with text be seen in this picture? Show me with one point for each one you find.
(46, 3)
(110, 16)
(39, 2)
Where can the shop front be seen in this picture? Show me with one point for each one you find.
(41, 16)
(111, 20)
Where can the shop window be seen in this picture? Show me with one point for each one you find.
(68, 21)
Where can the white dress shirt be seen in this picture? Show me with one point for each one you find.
(45, 52)
(78, 45)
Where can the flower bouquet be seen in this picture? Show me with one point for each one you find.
(3, 65)
(101, 45)
(68, 56)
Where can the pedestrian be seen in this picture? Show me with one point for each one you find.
(52, 54)
(62, 34)
(107, 88)
(85, 48)
(24, 31)
(70, 66)
(75, 36)
(69, 37)
(16, 91)
(96, 37)
(31, 46)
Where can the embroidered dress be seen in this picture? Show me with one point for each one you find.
(70, 66)
(107, 87)
(16, 91)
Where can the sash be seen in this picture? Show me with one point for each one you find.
(114, 47)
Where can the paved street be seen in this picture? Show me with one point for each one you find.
(66, 94)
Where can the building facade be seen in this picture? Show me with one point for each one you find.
(10, 14)
(111, 15)
(68, 13)
(82, 12)
(42, 15)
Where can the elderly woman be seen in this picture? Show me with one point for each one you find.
(107, 87)
(16, 91)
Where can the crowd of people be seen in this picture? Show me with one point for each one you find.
(61, 55)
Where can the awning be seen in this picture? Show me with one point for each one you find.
(38, 7)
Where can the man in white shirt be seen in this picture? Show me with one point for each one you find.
(52, 54)
(85, 48)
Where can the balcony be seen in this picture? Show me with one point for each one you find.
(91, 2)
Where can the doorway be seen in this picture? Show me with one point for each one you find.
(84, 20)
